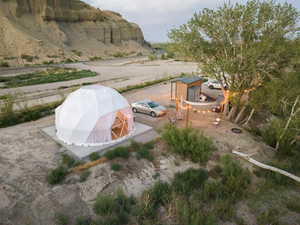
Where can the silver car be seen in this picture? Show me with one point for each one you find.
(149, 107)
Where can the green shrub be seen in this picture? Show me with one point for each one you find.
(78, 53)
(68, 161)
(42, 77)
(144, 153)
(188, 181)
(4, 64)
(152, 199)
(293, 204)
(190, 212)
(62, 219)
(95, 58)
(83, 220)
(269, 216)
(211, 190)
(57, 175)
(94, 156)
(28, 114)
(235, 179)
(68, 60)
(104, 205)
(164, 57)
(116, 210)
(152, 57)
(170, 55)
(119, 152)
(113, 220)
(116, 167)
(189, 143)
(48, 62)
(84, 175)
(28, 58)
(224, 209)
(120, 54)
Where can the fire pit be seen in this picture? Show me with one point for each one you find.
(236, 130)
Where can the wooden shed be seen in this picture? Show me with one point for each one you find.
(186, 88)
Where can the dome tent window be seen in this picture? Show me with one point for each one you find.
(94, 115)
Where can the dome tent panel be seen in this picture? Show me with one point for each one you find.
(87, 115)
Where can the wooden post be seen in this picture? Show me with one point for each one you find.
(187, 116)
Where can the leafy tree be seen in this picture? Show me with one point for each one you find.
(242, 46)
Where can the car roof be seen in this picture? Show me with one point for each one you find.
(145, 101)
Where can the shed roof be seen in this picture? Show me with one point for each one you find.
(189, 80)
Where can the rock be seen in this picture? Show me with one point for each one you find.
(44, 27)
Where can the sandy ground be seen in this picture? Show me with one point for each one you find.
(26, 157)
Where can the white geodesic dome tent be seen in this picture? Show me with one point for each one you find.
(94, 115)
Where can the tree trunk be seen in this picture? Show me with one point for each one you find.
(240, 115)
(287, 123)
(232, 112)
(250, 117)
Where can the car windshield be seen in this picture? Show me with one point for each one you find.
(153, 104)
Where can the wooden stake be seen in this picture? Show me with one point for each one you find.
(187, 116)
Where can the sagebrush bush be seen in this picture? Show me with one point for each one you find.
(189, 143)
(190, 212)
(119, 152)
(188, 181)
(116, 210)
(62, 219)
(143, 150)
(83, 220)
(152, 199)
(235, 179)
(104, 205)
(94, 156)
(57, 175)
(4, 64)
(116, 167)
(68, 161)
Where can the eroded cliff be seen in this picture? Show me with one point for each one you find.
(56, 30)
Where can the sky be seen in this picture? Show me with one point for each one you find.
(158, 17)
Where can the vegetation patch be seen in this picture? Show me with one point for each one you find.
(4, 64)
(143, 151)
(77, 53)
(29, 58)
(114, 209)
(96, 58)
(94, 156)
(188, 181)
(57, 175)
(116, 167)
(8, 117)
(62, 219)
(43, 77)
(189, 143)
(119, 152)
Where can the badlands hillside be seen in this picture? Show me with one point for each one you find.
(37, 31)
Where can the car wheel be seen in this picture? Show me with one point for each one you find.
(134, 110)
(153, 114)
(211, 87)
